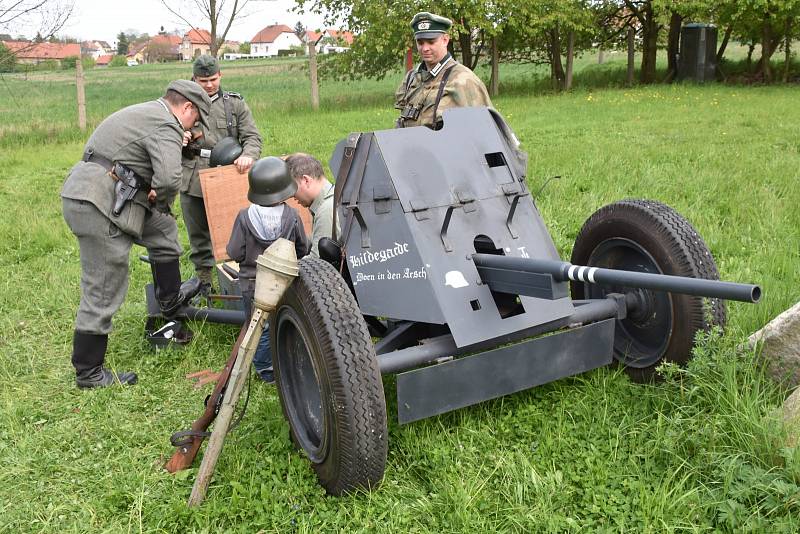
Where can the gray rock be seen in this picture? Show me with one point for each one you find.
(780, 347)
(791, 418)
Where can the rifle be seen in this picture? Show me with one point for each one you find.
(187, 442)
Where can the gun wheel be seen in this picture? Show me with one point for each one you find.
(647, 236)
(328, 379)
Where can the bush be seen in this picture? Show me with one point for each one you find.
(118, 61)
(88, 63)
(7, 59)
(69, 62)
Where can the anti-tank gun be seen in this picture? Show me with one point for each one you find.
(448, 263)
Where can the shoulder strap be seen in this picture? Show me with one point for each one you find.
(226, 102)
(439, 94)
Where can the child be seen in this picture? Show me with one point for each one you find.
(256, 228)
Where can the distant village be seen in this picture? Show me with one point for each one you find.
(272, 41)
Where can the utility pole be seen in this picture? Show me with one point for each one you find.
(81, 94)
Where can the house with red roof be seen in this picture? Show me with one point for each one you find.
(104, 61)
(35, 53)
(272, 39)
(330, 40)
(195, 43)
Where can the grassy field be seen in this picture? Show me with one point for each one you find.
(701, 451)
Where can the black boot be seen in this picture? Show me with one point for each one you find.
(171, 294)
(88, 353)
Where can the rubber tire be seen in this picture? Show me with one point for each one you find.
(677, 249)
(347, 444)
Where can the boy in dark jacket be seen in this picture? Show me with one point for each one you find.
(256, 228)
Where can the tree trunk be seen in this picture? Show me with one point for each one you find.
(213, 45)
(570, 57)
(494, 84)
(465, 41)
(631, 51)
(724, 44)
(787, 50)
(750, 49)
(600, 57)
(649, 45)
(766, 49)
(556, 67)
(673, 41)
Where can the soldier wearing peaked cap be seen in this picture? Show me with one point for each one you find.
(119, 194)
(229, 117)
(439, 82)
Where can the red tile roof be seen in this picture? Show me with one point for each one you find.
(270, 33)
(104, 60)
(29, 50)
(346, 36)
(198, 37)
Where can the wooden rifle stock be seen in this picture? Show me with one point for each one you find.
(186, 452)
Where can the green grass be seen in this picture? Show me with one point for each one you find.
(699, 452)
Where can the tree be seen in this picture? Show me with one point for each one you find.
(122, 44)
(215, 12)
(7, 59)
(45, 17)
(300, 31)
(244, 48)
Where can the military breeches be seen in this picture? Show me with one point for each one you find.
(194, 215)
(105, 251)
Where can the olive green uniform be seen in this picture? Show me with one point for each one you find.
(147, 139)
(420, 88)
(322, 216)
(244, 129)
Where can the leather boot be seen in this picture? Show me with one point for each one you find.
(171, 294)
(88, 353)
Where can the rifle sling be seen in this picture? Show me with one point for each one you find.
(226, 103)
(341, 177)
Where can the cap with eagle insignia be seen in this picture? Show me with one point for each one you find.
(429, 26)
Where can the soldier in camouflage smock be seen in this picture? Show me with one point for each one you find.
(229, 117)
(439, 82)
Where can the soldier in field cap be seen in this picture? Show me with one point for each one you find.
(229, 118)
(439, 82)
(120, 194)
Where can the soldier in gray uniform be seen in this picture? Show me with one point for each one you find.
(229, 117)
(119, 194)
(439, 82)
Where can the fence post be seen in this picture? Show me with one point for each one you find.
(312, 70)
(81, 94)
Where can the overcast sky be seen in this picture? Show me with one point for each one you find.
(104, 19)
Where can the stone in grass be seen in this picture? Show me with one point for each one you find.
(780, 347)
(791, 418)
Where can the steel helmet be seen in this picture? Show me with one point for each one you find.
(225, 152)
(270, 182)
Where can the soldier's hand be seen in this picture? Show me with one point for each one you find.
(187, 136)
(151, 196)
(243, 164)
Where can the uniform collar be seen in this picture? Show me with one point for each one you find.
(434, 72)
(325, 192)
(168, 110)
(217, 95)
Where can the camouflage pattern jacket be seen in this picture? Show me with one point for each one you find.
(147, 138)
(244, 130)
(419, 89)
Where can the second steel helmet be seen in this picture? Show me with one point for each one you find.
(270, 182)
(225, 152)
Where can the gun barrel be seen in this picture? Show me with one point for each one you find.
(563, 271)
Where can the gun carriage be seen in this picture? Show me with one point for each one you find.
(448, 277)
